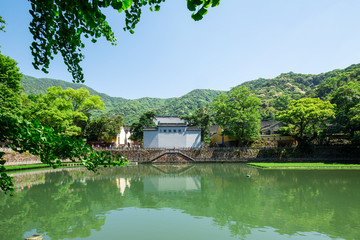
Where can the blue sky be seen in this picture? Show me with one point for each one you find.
(170, 54)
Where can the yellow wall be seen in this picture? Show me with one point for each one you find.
(217, 138)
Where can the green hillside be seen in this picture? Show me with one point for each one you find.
(297, 85)
(294, 85)
(39, 85)
(130, 109)
(166, 107)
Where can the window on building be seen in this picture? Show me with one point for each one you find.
(169, 130)
(164, 130)
(179, 130)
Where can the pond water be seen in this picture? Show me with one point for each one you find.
(205, 201)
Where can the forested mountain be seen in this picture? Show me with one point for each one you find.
(290, 85)
(130, 109)
(39, 85)
(167, 107)
(297, 85)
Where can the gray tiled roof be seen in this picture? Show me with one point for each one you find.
(213, 129)
(168, 120)
(193, 129)
(264, 124)
(172, 125)
(150, 129)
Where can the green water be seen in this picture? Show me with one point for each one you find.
(217, 201)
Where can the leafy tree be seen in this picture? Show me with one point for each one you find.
(59, 26)
(267, 113)
(355, 122)
(10, 86)
(203, 119)
(306, 118)
(137, 128)
(326, 88)
(238, 113)
(346, 98)
(24, 136)
(105, 128)
(355, 116)
(282, 102)
(68, 109)
(10, 107)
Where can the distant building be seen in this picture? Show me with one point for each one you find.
(270, 127)
(218, 139)
(172, 132)
(269, 131)
(122, 138)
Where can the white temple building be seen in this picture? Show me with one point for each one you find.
(172, 132)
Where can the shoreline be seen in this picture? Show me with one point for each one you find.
(266, 166)
(306, 166)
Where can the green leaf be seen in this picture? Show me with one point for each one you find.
(215, 3)
(127, 4)
(199, 15)
(191, 6)
(116, 4)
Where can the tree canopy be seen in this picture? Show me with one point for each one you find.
(105, 128)
(137, 128)
(346, 99)
(203, 119)
(29, 135)
(10, 86)
(68, 109)
(237, 113)
(59, 26)
(306, 118)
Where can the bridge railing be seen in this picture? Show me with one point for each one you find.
(190, 149)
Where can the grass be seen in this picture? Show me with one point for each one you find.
(34, 166)
(305, 165)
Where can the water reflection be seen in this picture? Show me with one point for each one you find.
(172, 186)
(122, 184)
(75, 203)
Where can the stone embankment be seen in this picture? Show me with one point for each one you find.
(271, 154)
(343, 154)
(14, 158)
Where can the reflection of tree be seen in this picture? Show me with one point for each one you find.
(295, 201)
(72, 204)
(62, 207)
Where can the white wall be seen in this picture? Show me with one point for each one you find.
(123, 137)
(151, 139)
(172, 139)
(193, 139)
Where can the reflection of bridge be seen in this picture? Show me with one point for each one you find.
(173, 169)
(171, 156)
